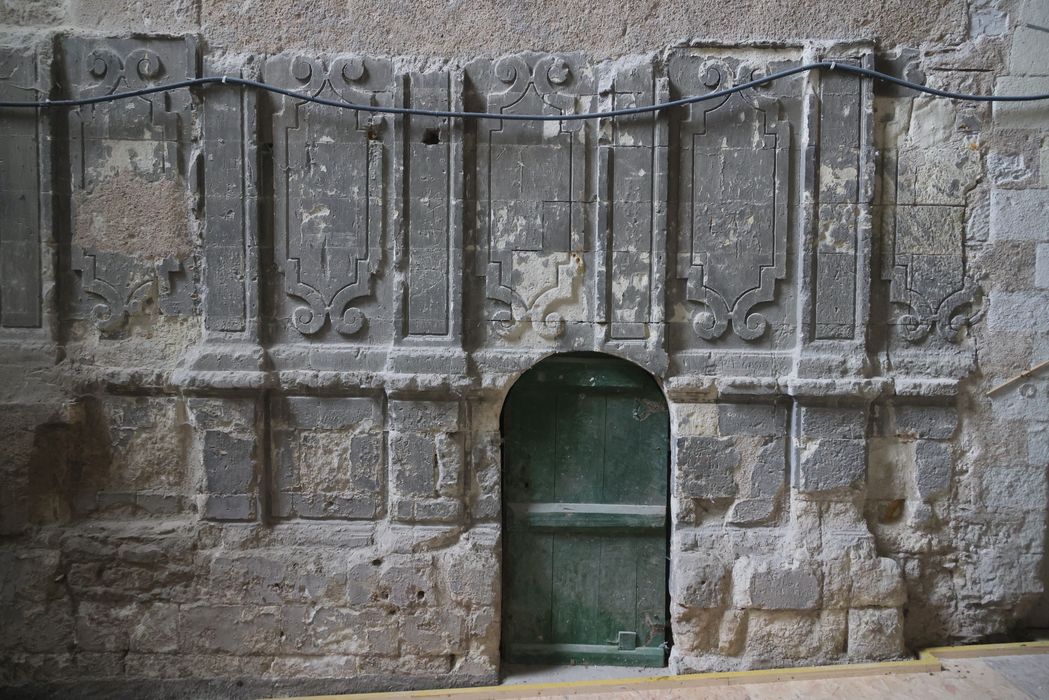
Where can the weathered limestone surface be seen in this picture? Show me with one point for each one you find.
(253, 351)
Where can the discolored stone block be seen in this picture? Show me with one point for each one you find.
(841, 422)
(932, 468)
(774, 586)
(229, 463)
(828, 465)
(764, 420)
(936, 422)
(705, 467)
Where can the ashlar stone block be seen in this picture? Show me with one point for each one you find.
(829, 465)
(936, 422)
(932, 468)
(705, 467)
(229, 475)
(875, 634)
(841, 422)
(764, 420)
(775, 585)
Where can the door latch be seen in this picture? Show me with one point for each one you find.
(626, 641)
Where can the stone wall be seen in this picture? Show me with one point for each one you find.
(253, 352)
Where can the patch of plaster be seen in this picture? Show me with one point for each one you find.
(126, 213)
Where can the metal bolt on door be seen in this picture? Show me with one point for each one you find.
(585, 444)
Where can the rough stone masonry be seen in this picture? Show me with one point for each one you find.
(253, 351)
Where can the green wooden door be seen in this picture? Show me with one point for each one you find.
(585, 440)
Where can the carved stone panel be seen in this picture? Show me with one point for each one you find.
(230, 246)
(330, 181)
(840, 173)
(531, 194)
(432, 212)
(329, 458)
(25, 187)
(131, 250)
(926, 271)
(732, 211)
(632, 215)
(927, 185)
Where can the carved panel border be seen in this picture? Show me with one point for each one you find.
(329, 189)
(733, 208)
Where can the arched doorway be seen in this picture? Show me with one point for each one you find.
(585, 465)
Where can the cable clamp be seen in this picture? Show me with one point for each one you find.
(833, 65)
(223, 80)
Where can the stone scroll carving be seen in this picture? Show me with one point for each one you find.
(926, 272)
(329, 188)
(131, 251)
(734, 161)
(121, 289)
(531, 191)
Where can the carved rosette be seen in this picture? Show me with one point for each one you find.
(734, 175)
(328, 191)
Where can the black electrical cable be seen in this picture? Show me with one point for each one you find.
(577, 116)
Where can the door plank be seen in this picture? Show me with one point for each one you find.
(529, 595)
(580, 438)
(576, 579)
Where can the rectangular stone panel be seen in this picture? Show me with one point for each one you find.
(842, 196)
(329, 458)
(835, 295)
(731, 203)
(226, 438)
(531, 203)
(130, 252)
(230, 203)
(24, 190)
(333, 183)
(433, 208)
(427, 461)
(631, 208)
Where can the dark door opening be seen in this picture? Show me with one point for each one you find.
(585, 464)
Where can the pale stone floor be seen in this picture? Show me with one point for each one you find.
(1000, 677)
